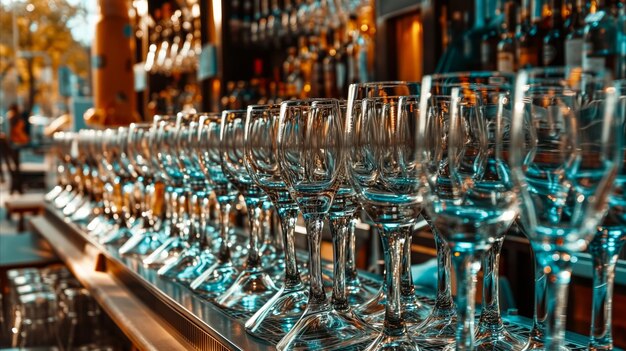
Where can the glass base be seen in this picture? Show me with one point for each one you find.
(168, 251)
(438, 329)
(203, 261)
(386, 342)
(323, 328)
(215, 280)
(373, 311)
(278, 316)
(250, 291)
(186, 261)
(357, 293)
(82, 213)
(116, 237)
(141, 245)
(99, 226)
(73, 206)
(533, 344)
(500, 339)
(54, 193)
(63, 199)
(238, 247)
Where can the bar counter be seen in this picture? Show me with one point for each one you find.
(159, 314)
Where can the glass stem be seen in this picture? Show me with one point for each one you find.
(394, 239)
(255, 212)
(352, 277)
(444, 304)
(466, 266)
(559, 271)
(223, 255)
(266, 227)
(314, 226)
(604, 249)
(339, 227)
(537, 332)
(288, 223)
(408, 289)
(490, 320)
(185, 227)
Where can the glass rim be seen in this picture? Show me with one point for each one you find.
(309, 102)
(563, 72)
(262, 107)
(470, 74)
(385, 83)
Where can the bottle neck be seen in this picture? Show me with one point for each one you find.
(538, 10)
(556, 16)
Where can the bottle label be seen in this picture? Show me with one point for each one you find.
(527, 57)
(485, 53)
(506, 62)
(549, 54)
(574, 52)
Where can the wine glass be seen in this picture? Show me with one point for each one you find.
(117, 187)
(165, 160)
(61, 168)
(65, 146)
(381, 139)
(470, 199)
(373, 310)
(254, 286)
(565, 151)
(80, 206)
(195, 257)
(144, 243)
(607, 243)
(103, 219)
(495, 92)
(310, 156)
(217, 278)
(356, 293)
(280, 313)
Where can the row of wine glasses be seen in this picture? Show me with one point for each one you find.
(470, 153)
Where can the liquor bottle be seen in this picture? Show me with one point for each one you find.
(575, 28)
(304, 67)
(599, 48)
(263, 29)
(316, 53)
(341, 61)
(621, 43)
(490, 40)
(506, 46)
(234, 20)
(530, 42)
(246, 21)
(330, 70)
(553, 42)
